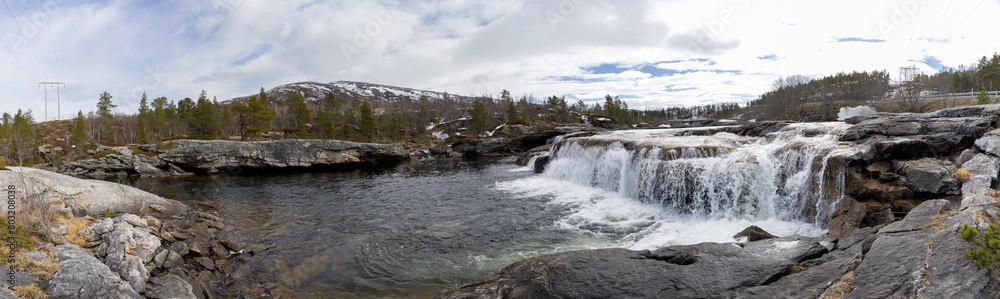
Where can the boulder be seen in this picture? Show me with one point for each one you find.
(983, 165)
(87, 197)
(173, 260)
(24, 278)
(919, 217)
(541, 162)
(990, 143)
(169, 286)
(36, 256)
(533, 153)
(929, 176)
(126, 249)
(83, 276)
(846, 217)
(754, 233)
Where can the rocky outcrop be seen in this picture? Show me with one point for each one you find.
(126, 246)
(83, 276)
(921, 256)
(917, 179)
(86, 197)
(505, 147)
(181, 157)
(912, 136)
(180, 256)
(690, 271)
(929, 175)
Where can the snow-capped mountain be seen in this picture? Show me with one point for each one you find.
(345, 91)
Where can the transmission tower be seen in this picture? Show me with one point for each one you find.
(58, 95)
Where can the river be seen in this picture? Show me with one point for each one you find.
(413, 229)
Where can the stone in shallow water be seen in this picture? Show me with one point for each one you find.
(169, 286)
(754, 233)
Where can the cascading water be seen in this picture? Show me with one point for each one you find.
(652, 188)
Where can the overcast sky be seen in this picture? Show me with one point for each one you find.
(650, 53)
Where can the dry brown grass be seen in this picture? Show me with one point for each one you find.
(985, 217)
(841, 288)
(74, 225)
(961, 175)
(44, 269)
(937, 222)
(31, 291)
(795, 269)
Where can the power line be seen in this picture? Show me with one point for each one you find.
(17, 60)
(942, 18)
(915, 22)
(25, 38)
(966, 18)
(48, 26)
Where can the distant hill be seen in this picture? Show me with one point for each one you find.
(345, 90)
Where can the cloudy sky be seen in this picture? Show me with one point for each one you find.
(650, 53)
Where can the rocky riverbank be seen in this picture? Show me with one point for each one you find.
(171, 251)
(916, 180)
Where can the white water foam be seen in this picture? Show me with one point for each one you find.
(649, 189)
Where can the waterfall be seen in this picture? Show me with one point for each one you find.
(795, 174)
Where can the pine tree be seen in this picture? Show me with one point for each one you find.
(367, 121)
(78, 130)
(158, 121)
(104, 107)
(478, 121)
(143, 121)
(225, 118)
(203, 120)
(185, 108)
(512, 116)
(252, 118)
(300, 114)
(327, 130)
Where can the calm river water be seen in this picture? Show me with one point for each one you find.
(407, 230)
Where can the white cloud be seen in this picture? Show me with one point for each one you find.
(233, 47)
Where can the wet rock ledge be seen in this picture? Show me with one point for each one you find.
(916, 181)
